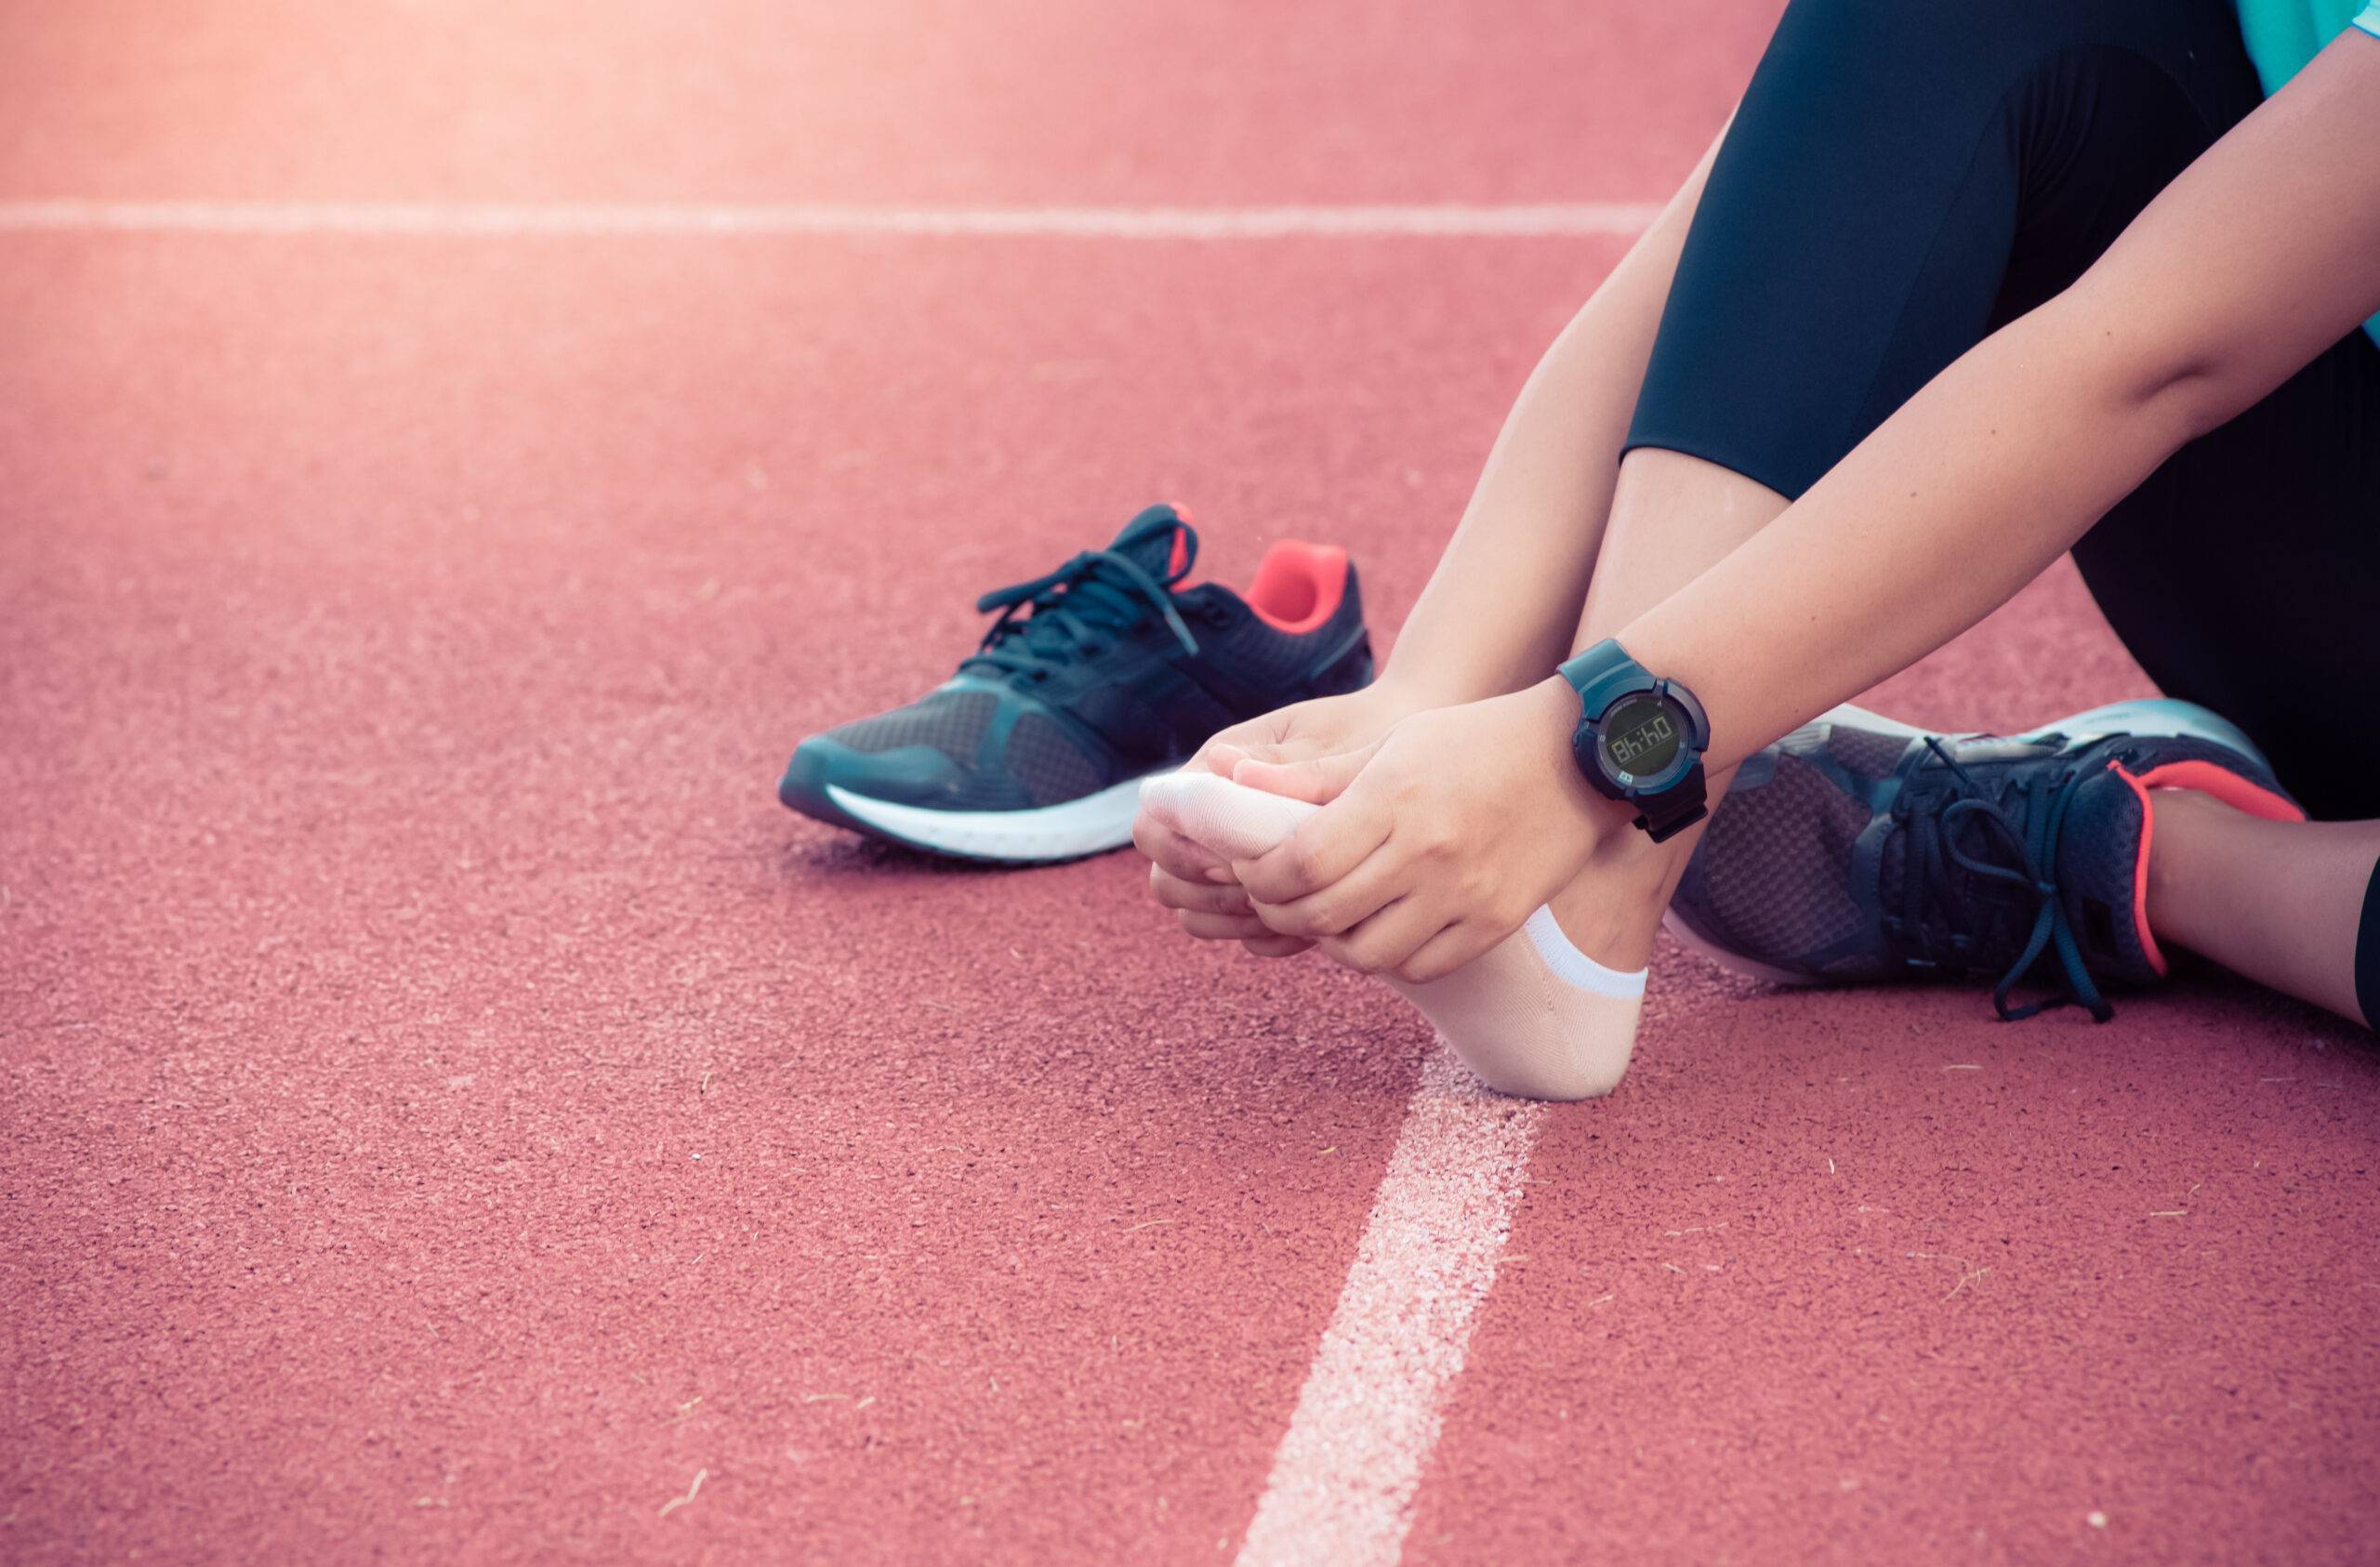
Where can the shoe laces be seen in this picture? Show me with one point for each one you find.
(2025, 840)
(1074, 612)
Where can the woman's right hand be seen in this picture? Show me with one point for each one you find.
(1197, 885)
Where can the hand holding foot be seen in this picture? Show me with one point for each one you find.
(1196, 882)
(1435, 842)
(1533, 1016)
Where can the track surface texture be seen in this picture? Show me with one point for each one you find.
(449, 1111)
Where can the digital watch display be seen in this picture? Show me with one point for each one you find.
(1640, 739)
(1639, 736)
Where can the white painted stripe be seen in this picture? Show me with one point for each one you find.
(1341, 1489)
(608, 219)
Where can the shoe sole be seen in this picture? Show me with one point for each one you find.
(2157, 716)
(1093, 825)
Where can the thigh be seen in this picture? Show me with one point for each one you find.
(1901, 176)
(2246, 575)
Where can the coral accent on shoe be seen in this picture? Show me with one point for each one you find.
(1298, 585)
(1179, 563)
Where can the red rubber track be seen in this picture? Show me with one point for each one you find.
(1064, 102)
(446, 1104)
(1867, 1277)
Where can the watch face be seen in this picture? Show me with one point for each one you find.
(1639, 737)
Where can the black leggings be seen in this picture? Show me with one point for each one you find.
(1904, 175)
(2367, 953)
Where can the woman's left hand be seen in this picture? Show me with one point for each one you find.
(1436, 841)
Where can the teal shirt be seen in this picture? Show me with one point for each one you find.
(2282, 35)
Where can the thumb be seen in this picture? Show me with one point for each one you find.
(1219, 758)
(1221, 755)
(1319, 780)
(1259, 734)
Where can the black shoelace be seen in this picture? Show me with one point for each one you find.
(1077, 610)
(2030, 864)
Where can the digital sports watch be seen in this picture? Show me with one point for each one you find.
(1640, 740)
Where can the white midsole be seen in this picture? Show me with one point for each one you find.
(2156, 715)
(1090, 825)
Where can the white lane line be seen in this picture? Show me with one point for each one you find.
(605, 219)
(1341, 1489)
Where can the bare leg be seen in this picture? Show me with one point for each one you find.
(1672, 517)
(2279, 902)
(1497, 610)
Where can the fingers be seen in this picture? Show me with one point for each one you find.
(1177, 856)
(1197, 897)
(1220, 913)
(1339, 907)
(1219, 758)
(1446, 952)
(1318, 778)
(1258, 734)
(1223, 928)
(1333, 842)
(1382, 944)
(1207, 902)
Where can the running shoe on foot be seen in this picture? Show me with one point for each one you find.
(1857, 848)
(1104, 671)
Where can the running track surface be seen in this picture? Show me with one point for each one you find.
(452, 1113)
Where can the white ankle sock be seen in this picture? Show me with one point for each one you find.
(1533, 1016)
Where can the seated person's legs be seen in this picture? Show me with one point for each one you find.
(1900, 180)
(2293, 905)
(2245, 575)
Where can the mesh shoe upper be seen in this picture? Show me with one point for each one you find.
(1847, 852)
(951, 722)
(1775, 864)
(1101, 671)
(1039, 765)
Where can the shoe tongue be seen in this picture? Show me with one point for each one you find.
(1160, 540)
(2099, 850)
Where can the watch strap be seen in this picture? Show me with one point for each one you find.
(1600, 673)
(1678, 808)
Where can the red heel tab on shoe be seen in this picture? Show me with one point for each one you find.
(1178, 566)
(2208, 778)
(1299, 586)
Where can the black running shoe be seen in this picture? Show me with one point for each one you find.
(1092, 677)
(1857, 848)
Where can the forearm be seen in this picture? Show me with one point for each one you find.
(1950, 507)
(1500, 609)
(2256, 258)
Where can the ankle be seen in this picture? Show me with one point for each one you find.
(1612, 911)
(2177, 819)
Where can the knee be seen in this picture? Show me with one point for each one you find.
(1944, 52)
(1924, 37)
